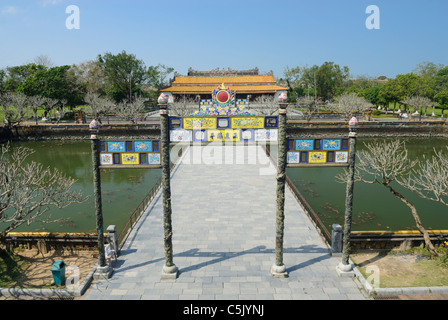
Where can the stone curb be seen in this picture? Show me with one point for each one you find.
(56, 293)
(396, 291)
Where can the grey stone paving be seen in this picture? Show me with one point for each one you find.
(224, 239)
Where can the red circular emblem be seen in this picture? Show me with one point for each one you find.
(222, 96)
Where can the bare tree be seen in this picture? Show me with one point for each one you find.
(264, 105)
(430, 179)
(14, 107)
(310, 104)
(44, 60)
(183, 107)
(131, 111)
(27, 190)
(35, 102)
(98, 105)
(49, 105)
(418, 103)
(385, 164)
(349, 104)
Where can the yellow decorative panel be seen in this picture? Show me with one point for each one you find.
(317, 157)
(247, 122)
(223, 135)
(129, 158)
(199, 123)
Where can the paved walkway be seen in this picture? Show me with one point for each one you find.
(224, 239)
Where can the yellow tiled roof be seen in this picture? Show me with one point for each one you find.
(238, 89)
(226, 80)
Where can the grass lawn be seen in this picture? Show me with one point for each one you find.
(411, 268)
(11, 266)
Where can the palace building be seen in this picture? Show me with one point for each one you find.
(245, 84)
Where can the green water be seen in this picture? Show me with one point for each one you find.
(122, 189)
(374, 207)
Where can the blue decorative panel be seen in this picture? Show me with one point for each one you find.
(175, 123)
(331, 144)
(199, 135)
(156, 146)
(247, 135)
(223, 123)
(304, 144)
(270, 122)
(115, 146)
(129, 146)
(143, 146)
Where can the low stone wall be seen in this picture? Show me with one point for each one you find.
(151, 130)
(64, 131)
(48, 241)
(393, 240)
(383, 129)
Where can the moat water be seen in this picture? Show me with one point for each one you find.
(374, 207)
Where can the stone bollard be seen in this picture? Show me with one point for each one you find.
(336, 241)
(113, 240)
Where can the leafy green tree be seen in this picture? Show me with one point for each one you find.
(125, 75)
(442, 99)
(372, 95)
(2, 80)
(330, 78)
(441, 79)
(16, 76)
(54, 83)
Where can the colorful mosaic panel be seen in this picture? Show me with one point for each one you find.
(106, 159)
(247, 122)
(304, 144)
(266, 135)
(331, 144)
(116, 146)
(331, 152)
(293, 157)
(130, 158)
(223, 135)
(341, 157)
(134, 153)
(180, 135)
(143, 146)
(199, 123)
(154, 158)
(317, 157)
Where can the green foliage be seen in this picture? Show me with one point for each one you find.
(54, 83)
(125, 75)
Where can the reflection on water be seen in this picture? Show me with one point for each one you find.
(122, 189)
(374, 207)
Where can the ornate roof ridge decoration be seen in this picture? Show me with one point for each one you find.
(223, 72)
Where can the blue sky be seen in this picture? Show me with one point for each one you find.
(240, 34)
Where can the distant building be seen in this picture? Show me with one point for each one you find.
(246, 84)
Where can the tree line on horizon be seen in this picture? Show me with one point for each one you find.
(425, 86)
(121, 80)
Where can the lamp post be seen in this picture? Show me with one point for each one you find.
(169, 270)
(345, 268)
(278, 270)
(103, 270)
